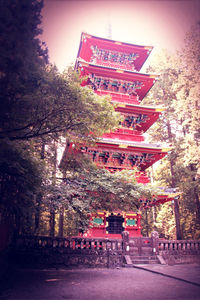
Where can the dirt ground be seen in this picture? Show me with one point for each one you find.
(122, 283)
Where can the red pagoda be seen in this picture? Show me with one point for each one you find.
(112, 68)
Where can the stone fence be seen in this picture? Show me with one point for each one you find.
(99, 252)
(189, 246)
(41, 251)
(179, 252)
(70, 243)
(105, 244)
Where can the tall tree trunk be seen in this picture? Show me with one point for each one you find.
(197, 205)
(151, 174)
(37, 214)
(52, 209)
(154, 211)
(55, 154)
(176, 205)
(196, 195)
(61, 220)
(173, 185)
(39, 196)
(52, 223)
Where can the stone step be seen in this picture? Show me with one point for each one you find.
(136, 260)
(151, 257)
(144, 261)
(135, 251)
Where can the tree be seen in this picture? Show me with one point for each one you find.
(178, 91)
(38, 105)
(165, 222)
(22, 57)
(187, 106)
(58, 106)
(166, 129)
(20, 180)
(35, 99)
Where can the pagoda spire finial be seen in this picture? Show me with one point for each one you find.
(109, 28)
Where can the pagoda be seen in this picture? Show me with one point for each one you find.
(113, 68)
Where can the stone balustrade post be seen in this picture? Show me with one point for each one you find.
(155, 242)
(125, 241)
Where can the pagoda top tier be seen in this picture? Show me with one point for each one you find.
(110, 53)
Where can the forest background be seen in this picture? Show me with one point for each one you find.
(41, 110)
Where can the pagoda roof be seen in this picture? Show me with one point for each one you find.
(147, 80)
(133, 144)
(89, 41)
(161, 198)
(151, 114)
(143, 154)
(132, 148)
(141, 108)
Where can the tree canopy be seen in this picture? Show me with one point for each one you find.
(36, 100)
(38, 106)
(96, 189)
(178, 91)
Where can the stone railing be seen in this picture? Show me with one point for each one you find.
(99, 252)
(182, 246)
(70, 243)
(73, 251)
(104, 244)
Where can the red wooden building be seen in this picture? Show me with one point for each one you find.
(112, 68)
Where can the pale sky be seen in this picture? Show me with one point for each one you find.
(162, 24)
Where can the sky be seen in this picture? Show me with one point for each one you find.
(162, 24)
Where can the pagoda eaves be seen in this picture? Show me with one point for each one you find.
(117, 154)
(144, 116)
(112, 53)
(117, 80)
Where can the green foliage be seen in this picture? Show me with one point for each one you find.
(98, 189)
(20, 180)
(91, 115)
(165, 222)
(187, 105)
(57, 107)
(38, 106)
(35, 99)
(22, 57)
(72, 197)
(118, 191)
(148, 217)
(22, 61)
(178, 90)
